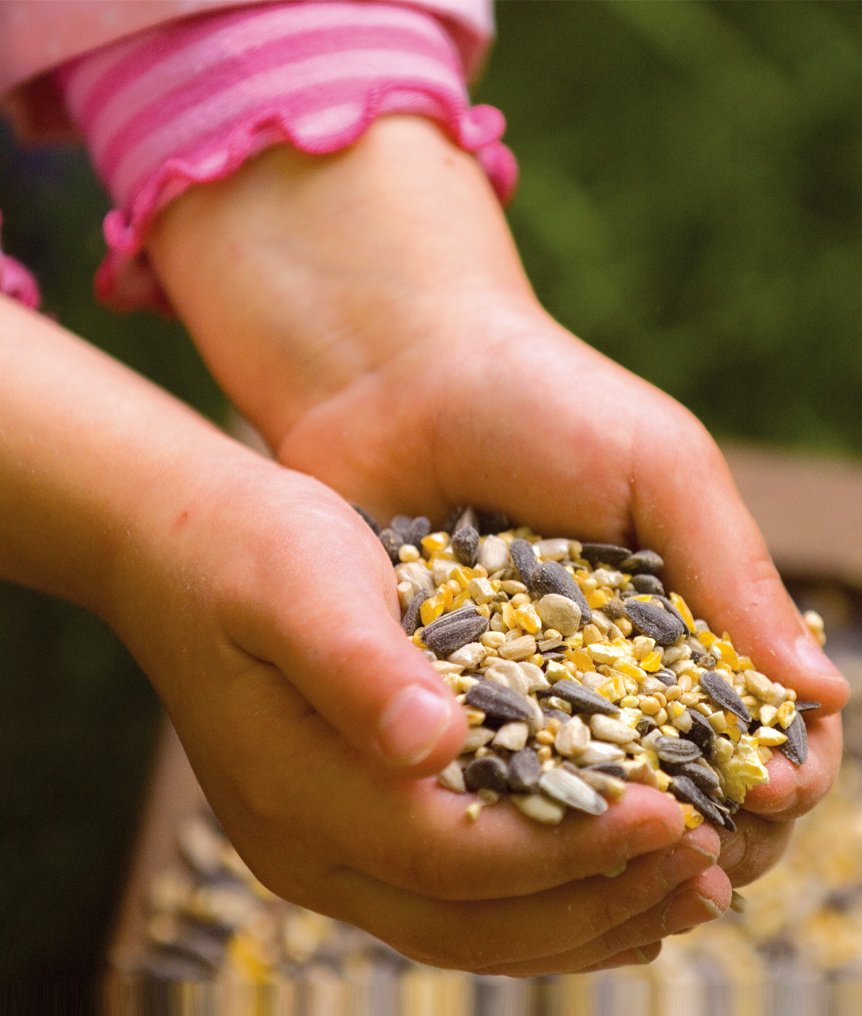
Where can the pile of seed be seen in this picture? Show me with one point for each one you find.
(578, 672)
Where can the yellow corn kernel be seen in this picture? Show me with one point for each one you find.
(508, 612)
(474, 717)
(461, 575)
(630, 702)
(581, 659)
(528, 619)
(630, 670)
(614, 689)
(408, 553)
(545, 737)
(662, 779)
(692, 816)
(744, 663)
(434, 606)
(728, 653)
(786, 713)
(706, 638)
(433, 543)
(769, 737)
(651, 662)
(599, 598)
(536, 659)
(682, 607)
(416, 638)
(459, 599)
(675, 709)
(733, 731)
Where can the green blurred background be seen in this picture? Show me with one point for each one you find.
(690, 203)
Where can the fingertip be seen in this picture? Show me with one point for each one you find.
(821, 681)
(420, 730)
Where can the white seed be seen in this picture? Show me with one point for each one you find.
(452, 778)
(512, 736)
(477, 737)
(469, 657)
(510, 674)
(481, 590)
(597, 752)
(539, 808)
(536, 680)
(606, 728)
(551, 550)
(560, 613)
(493, 554)
(572, 737)
(571, 790)
(520, 648)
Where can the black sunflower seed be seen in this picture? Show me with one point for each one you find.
(684, 790)
(803, 707)
(604, 553)
(451, 631)
(465, 544)
(524, 558)
(667, 677)
(420, 527)
(796, 745)
(552, 577)
(724, 696)
(410, 621)
(400, 525)
(581, 699)
(498, 701)
(487, 773)
(492, 522)
(642, 562)
(610, 769)
(652, 620)
(676, 749)
(524, 772)
(706, 779)
(647, 584)
(701, 734)
(392, 543)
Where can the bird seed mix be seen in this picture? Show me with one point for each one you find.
(578, 673)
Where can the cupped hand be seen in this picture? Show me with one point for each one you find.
(267, 619)
(368, 313)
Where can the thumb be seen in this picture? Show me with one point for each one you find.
(347, 655)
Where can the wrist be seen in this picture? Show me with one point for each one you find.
(300, 273)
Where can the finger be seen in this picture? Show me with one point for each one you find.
(793, 789)
(716, 557)
(490, 934)
(300, 783)
(755, 847)
(703, 899)
(630, 958)
(333, 630)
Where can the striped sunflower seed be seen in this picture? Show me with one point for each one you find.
(410, 621)
(604, 553)
(451, 631)
(581, 699)
(796, 745)
(552, 577)
(683, 789)
(498, 702)
(676, 749)
(570, 789)
(651, 619)
(723, 695)
(524, 558)
(524, 772)
(465, 544)
(642, 562)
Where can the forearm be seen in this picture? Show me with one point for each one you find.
(94, 461)
(355, 256)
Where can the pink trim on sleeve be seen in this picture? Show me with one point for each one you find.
(16, 281)
(190, 102)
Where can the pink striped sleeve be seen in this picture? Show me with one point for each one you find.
(16, 281)
(190, 102)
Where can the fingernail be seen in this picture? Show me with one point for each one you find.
(412, 723)
(687, 910)
(812, 657)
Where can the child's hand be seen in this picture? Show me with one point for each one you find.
(268, 626)
(264, 611)
(368, 313)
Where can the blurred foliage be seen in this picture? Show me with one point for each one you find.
(690, 202)
(691, 199)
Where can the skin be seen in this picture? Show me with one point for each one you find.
(368, 313)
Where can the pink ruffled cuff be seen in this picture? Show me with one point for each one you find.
(17, 282)
(190, 102)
